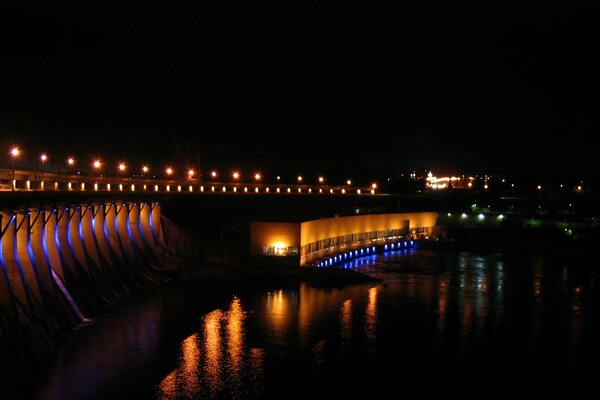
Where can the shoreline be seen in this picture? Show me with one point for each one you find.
(318, 276)
(510, 247)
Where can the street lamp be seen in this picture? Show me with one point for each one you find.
(43, 159)
(97, 164)
(122, 167)
(14, 153)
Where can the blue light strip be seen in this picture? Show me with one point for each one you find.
(365, 251)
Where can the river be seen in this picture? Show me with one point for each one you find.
(440, 322)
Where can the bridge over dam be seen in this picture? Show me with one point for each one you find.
(65, 253)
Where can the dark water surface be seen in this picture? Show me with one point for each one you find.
(441, 322)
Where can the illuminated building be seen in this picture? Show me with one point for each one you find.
(305, 242)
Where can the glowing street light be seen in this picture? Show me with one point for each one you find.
(299, 178)
(169, 171)
(257, 176)
(236, 175)
(14, 153)
(348, 182)
(122, 167)
(43, 158)
(145, 169)
(321, 179)
(374, 186)
(71, 161)
(213, 174)
(191, 173)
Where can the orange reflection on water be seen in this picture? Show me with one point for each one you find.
(190, 361)
(184, 380)
(235, 341)
(212, 349)
(371, 319)
(346, 325)
(212, 362)
(278, 313)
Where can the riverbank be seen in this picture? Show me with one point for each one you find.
(280, 273)
(549, 248)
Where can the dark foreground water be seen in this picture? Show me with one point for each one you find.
(463, 323)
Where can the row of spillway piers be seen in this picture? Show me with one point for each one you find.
(61, 264)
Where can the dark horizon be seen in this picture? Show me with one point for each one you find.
(284, 86)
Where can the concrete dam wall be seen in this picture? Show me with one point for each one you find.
(59, 265)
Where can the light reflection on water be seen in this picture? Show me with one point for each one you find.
(215, 363)
(443, 317)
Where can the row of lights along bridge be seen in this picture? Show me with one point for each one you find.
(169, 172)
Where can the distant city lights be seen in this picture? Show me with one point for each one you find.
(447, 182)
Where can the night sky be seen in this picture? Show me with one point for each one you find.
(279, 87)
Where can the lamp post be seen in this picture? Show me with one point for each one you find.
(97, 164)
(43, 158)
(14, 153)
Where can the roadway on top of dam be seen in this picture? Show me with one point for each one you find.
(32, 181)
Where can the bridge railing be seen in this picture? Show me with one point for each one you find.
(44, 181)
